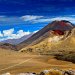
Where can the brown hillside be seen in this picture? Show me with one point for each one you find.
(55, 43)
(58, 28)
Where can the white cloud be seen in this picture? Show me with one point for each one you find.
(61, 18)
(30, 17)
(19, 34)
(5, 20)
(71, 19)
(42, 20)
(9, 34)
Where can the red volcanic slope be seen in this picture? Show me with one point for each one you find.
(62, 25)
(58, 32)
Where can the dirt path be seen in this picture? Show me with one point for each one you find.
(15, 65)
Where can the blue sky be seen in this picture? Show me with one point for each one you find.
(22, 17)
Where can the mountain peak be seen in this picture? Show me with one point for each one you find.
(62, 21)
(66, 21)
(61, 25)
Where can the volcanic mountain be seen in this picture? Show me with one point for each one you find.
(52, 29)
(53, 32)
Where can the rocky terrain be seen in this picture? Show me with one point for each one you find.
(48, 72)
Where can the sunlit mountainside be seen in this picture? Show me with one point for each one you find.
(58, 35)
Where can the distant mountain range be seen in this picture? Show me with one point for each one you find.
(17, 41)
(56, 35)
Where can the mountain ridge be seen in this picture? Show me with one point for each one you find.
(50, 27)
(54, 44)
